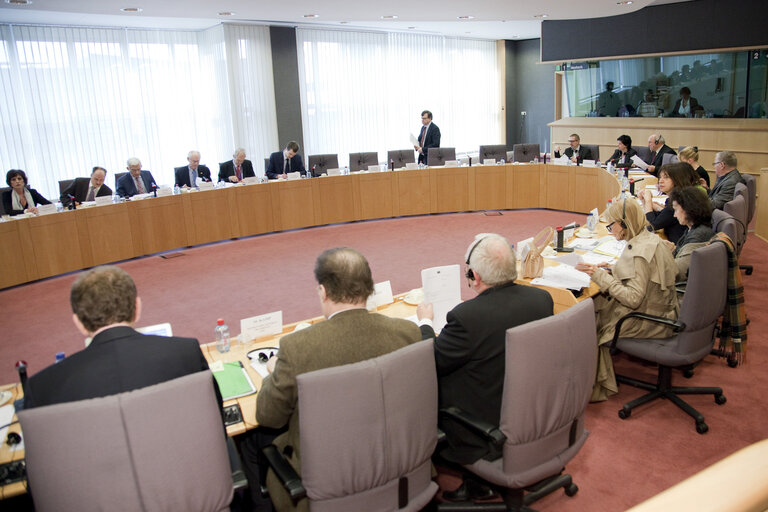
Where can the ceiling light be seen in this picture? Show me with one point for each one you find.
(227, 13)
(625, 2)
(467, 17)
(541, 16)
(18, 2)
(411, 28)
(389, 17)
(311, 15)
(343, 22)
(131, 9)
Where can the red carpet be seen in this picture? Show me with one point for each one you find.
(622, 463)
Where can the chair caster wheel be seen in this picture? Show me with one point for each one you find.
(688, 373)
(625, 413)
(732, 362)
(571, 490)
(720, 399)
(702, 428)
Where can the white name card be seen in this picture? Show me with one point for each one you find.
(293, 175)
(451, 163)
(260, 326)
(46, 209)
(205, 185)
(382, 294)
(102, 200)
(489, 161)
(588, 163)
(334, 172)
(374, 168)
(164, 191)
(411, 165)
(251, 180)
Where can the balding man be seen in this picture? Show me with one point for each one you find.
(469, 352)
(191, 174)
(236, 169)
(659, 148)
(135, 181)
(86, 189)
(727, 178)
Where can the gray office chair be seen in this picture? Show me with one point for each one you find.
(525, 152)
(361, 161)
(438, 156)
(400, 157)
(496, 151)
(702, 305)
(2, 209)
(118, 175)
(63, 185)
(550, 370)
(739, 209)
(751, 184)
(161, 447)
(669, 158)
(643, 152)
(266, 165)
(367, 432)
(594, 149)
(319, 164)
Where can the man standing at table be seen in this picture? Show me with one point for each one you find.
(136, 181)
(285, 161)
(727, 178)
(87, 189)
(575, 152)
(470, 351)
(189, 175)
(659, 148)
(429, 137)
(118, 359)
(236, 169)
(350, 334)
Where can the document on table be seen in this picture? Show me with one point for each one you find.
(562, 276)
(232, 379)
(442, 287)
(612, 248)
(639, 162)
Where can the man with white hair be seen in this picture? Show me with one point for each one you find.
(659, 148)
(727, 177)
(191, 174)
(237, 169)
(470, 350)
(135, 181)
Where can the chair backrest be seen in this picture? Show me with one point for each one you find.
(361, 161)
(119, 175)
(266, 165)
(63, 185)
(723, 222)
(2, 209)
(496, 151)
(644, 153)
(525, 152)
(594, 149)
(321, 163)
(751, 184)
(401, 157)
(669, 158)
(737, 207)
(438, 156)
(161, 447)
(365, 425)
(703, 302)
(550, 371)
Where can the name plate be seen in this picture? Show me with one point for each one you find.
(411, 165)
(374, 168)
(251, 180)
(260, 326)
(382, 294)
(451, 163)
(46, 209)
(205, 185)
(102, 200)
(164, 191)
(489, 161)
(293, 175)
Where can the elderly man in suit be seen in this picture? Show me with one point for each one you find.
(727, 178)
(429, 137)
(136, 181)
(86, 189)
(659, 148)
(285, 161)
(188, 175)
(469, 352)
(350, 334)
(236, 169)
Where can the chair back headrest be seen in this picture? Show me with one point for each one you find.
(161, 447)
(364, 425)
(496, 151)
(550, 371)
(751, 184)
(438, 156)
(401, 157)
(361, 161)
(737, 208)
(525, 152)
(322, 163)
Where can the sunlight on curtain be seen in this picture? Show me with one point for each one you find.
(365, 91)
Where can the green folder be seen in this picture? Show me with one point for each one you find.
(233, 381)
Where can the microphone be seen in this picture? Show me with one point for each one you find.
(71, 205)
(154, 188)
(559, 247)
(391, 164)
(314, 169)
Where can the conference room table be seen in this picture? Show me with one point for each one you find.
(43, 246)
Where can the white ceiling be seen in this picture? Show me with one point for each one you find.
(493, 19)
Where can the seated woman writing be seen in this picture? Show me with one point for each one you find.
(671, 176)
(642, 280)
(693, 211)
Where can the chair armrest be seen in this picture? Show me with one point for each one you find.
(485, 429)
(285, 473)
(239, 480)
(676, 325)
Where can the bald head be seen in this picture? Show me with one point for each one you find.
(494, 260)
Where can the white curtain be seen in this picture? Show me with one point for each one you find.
(73, 98)
(365, 91)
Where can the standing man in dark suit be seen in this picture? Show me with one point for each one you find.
(236, 169)
(118, 359)
(470, 350)
(187, 175)
(350, 334)
(659, 148)
(429, 137)
(87, 189)
(727, 178)
(285, 161)
(575, 152)
(136, 181)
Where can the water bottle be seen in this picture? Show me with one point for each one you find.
(176, 190)
(346, 170)
(59, 357)
(222, 336)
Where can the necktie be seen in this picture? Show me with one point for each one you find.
(238, 173)
(285, 165)
(653, 156)
(91, 193)
(140, 185)
(423, 135)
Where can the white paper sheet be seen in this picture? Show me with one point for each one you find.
(414, 140)
(441, 288)
(562, 276)
(638, 162)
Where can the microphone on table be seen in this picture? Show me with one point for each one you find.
(71, 205)
(559, 247)
(632, 182)
(154, 189)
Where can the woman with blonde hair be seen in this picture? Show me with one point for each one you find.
(690, 155)
(642, 280)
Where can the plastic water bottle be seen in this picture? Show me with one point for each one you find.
(346, 170)
(222, 336)
(176, 190)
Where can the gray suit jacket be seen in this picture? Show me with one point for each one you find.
(723, 189)
(348, 337)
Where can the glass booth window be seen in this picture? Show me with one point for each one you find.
(732, 84)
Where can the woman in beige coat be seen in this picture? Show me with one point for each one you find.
(642, 280)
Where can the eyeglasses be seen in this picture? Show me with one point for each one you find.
(610, 225)
(572, 140)
(715, 163)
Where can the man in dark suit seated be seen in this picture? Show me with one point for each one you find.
(87, 189)
(575, 152)
(236, 169)
(187, 175)
(285, 161)
(118, 359)
(136, 181)
(727, 178)
(350, 334)
(659, 148)
(429, 137)
(470, 351)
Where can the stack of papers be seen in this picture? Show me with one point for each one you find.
(562, 276)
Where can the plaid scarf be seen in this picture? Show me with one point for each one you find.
(733, 331)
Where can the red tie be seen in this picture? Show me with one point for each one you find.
(423, 135)
(239, 174)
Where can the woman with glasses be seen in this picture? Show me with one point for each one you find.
(671, 176)
(642, 280)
